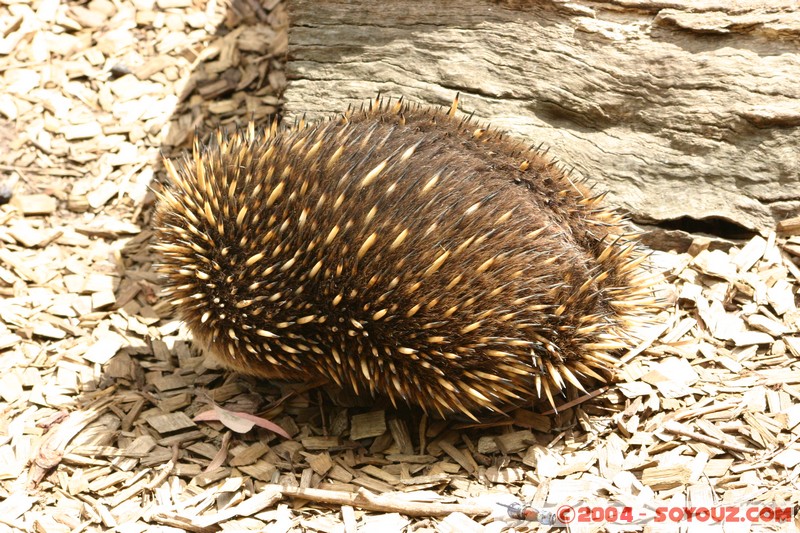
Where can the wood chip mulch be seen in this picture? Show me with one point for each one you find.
(100, 384)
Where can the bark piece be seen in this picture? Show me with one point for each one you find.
(685, 114)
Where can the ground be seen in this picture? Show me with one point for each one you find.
(100, 384)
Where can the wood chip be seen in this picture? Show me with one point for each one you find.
(248, 507)
(82, 131)
(35, 204)
(170, 423)
(368, 425)
(750, 254)
(746, 338)
(104, 348)
(790, 226)
(666, 477)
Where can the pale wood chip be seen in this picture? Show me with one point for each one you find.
(98, 197)
(427, 481)
(781, 297)
(790, 226)
(170, 382)
(170, 423)
(261, 470)
(505, 475)
(767, 325)
(515, 441)
(35, 204)
(750, 253)
(250, 455)
(635, 389)
(9, 340)
(373, 484)
(547, 463)
(717, 467)
(401, 436)
(104, 348)
(666, 477)
(349, 519)
(464, 459)
(49, 331)
(339, 473)
(788, 458)
(248, 507)
(794, 345)
(321, 463)
(82, 131)
(15, 505)
(381, 474)
(101, 299)
(747, 338)
(715, 263)
(368, 425)
(320, 443)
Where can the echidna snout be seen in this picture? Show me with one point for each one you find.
(399, 250)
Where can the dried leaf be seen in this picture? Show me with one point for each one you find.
(239, 422)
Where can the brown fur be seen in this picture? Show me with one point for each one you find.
(491, 300)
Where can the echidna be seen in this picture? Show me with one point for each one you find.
(399, 250)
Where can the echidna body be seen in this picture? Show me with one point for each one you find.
(399, 250)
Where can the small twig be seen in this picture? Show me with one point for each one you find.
(363, 499)
(368, 501)
(679, 429)
(50, 240)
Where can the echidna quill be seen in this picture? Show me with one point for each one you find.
(400, 250)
